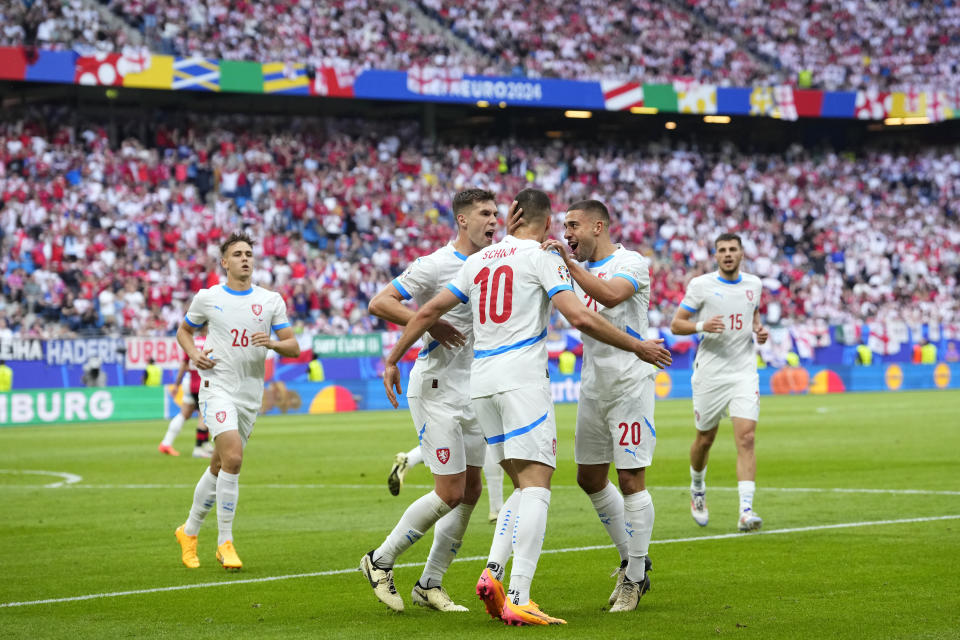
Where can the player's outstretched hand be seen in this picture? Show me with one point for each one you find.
(514, 217)
(391, 380)
(714, 325)
(261, 339)
(446, 334)
(203, 359)
(655, 353)
(762, 334)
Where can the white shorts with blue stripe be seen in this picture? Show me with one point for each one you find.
(619, 430)
(519, 424)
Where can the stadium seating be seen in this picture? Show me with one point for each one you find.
(101, 236)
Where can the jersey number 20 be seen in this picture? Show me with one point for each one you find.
(497, 291)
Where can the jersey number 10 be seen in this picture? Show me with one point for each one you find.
(492, 285)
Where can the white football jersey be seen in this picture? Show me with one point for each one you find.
(232, 317)
(609, 372)
(422, 280)
(731, 354)
(508, 287)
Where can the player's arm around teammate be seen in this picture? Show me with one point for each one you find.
(616, 396)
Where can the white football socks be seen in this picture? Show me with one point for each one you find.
(697, 478)
(638, 518)
(746, 488)
(609, 506)
(493, 474)
(228, 490)
(415, 521)
(204, 497)
(414, 457)
(173, 430)
(531, 526)
(502, 544)
(447, 538)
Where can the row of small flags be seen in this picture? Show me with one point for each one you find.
(138, 68)
(143, 70)
(785, 102)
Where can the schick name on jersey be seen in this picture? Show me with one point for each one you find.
(498, 253)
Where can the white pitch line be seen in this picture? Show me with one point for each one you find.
(334, 572)
(68, 478)
(71, 484)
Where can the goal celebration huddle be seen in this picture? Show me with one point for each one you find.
(480, 390)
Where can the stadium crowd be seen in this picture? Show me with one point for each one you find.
(891, 45)
(115, 236)
(899, 45)
(598, 39)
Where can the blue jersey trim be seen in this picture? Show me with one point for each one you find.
(460, 294)
(518, 431)
(419, 433)
(234, 292)
(194, 325)
(653, 431)
(600, 263)
(282, 325)
(486, 353)
(459, 255)
(688, 308)
(631, 279)
(399, 287)
(557, 289)
(737, 281)
(632, 333)
(430, 347)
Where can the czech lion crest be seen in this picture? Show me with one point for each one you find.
(257, 309)
(443, 455)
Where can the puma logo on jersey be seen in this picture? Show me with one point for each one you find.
(218, 308)
(633, 452)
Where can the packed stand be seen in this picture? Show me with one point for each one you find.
(597, 39)
(57, 25)
(346, 34)
(891, 45)
(115, 237)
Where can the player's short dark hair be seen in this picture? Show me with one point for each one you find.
(723, 237)
(535, 204)
(235, 237)
(467, 197)
(594, 208)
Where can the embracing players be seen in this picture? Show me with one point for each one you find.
(615, 412)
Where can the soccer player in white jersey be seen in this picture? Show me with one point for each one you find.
(239, 317)
(723, 308)
(509, 287)
(451, 442)
(615, 420)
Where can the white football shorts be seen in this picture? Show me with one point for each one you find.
(738, 399)
(449, 435)
(222, 414)
(519, 424)
(617, 430)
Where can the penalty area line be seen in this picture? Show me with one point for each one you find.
(334, 572)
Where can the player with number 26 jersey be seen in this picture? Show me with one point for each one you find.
(237, 315)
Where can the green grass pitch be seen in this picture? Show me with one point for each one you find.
(859, 495)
